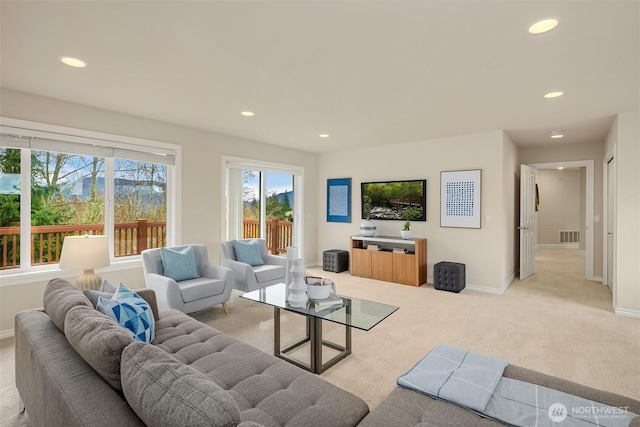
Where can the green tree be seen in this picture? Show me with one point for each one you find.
(9, 203)
(288, 211)
(276, 208)
(47, 206)
(251, 209)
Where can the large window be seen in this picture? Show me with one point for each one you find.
(80, 185)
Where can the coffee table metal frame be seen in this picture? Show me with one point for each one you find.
(345, 315)
(314, 338)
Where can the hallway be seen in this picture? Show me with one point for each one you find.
(560, 275)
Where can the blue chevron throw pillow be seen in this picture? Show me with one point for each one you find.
(131, 312)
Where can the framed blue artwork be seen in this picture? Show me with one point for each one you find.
(339, 200)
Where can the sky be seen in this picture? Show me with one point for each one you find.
(276, 182)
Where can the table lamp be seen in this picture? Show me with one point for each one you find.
(85, 253)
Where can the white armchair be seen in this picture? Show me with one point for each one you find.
(249, 278)
(214, 285)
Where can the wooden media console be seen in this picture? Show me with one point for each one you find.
(395, 260)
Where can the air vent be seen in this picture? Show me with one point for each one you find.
(569, 236)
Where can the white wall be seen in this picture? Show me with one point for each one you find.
(488, 252)
(510, 209)
(625, 135)
(201, 180)
(559, 203)
(583, 208)
(480, 249)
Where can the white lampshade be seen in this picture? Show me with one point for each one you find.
(85, 253)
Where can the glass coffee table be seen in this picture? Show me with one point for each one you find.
(354, 313)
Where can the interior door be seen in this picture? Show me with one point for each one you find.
(611, 215)
(527, 221)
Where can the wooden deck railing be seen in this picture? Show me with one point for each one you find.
(128, 238)
(132, 238)
(46, 240)
(279, 234)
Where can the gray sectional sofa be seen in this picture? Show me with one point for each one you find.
(69, 359)
(407, 408)
(76, 367)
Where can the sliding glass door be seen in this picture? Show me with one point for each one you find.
(262, 200)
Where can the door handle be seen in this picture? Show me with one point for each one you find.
(523, 228)
(611, 234)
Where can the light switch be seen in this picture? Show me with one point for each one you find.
(489, 219)
(596, 218)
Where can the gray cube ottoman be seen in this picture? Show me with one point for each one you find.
(449, 276)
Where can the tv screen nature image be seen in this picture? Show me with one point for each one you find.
(395, 200)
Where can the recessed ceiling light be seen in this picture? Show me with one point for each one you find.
(543, 26)
(72, 62)
(556, 134)
(324, 135)
(553, 94)
(247, 114)
(560, 168)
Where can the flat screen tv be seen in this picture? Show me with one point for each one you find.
(395, 200)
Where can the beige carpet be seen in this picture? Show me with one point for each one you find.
(554, 322)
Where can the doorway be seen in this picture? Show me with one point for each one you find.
(560, 216)
(589, 208)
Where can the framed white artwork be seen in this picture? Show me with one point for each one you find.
(460, 198)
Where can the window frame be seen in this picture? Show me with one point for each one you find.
(140, 149)
(298, 173)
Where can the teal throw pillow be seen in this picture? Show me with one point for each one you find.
(179, 265)
(131, 312)
(248, 252)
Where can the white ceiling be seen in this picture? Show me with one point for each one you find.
(365, 72)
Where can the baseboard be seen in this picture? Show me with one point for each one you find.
(6, 334)
(558, 246)
(509, 281)
(488, 290)
(597, 279)
(627, 313)
(485, 289)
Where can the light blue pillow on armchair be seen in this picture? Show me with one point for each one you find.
(179, 265)
(248, 252)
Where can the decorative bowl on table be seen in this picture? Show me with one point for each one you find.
(319, 288)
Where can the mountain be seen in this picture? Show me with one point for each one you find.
(145, 190)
